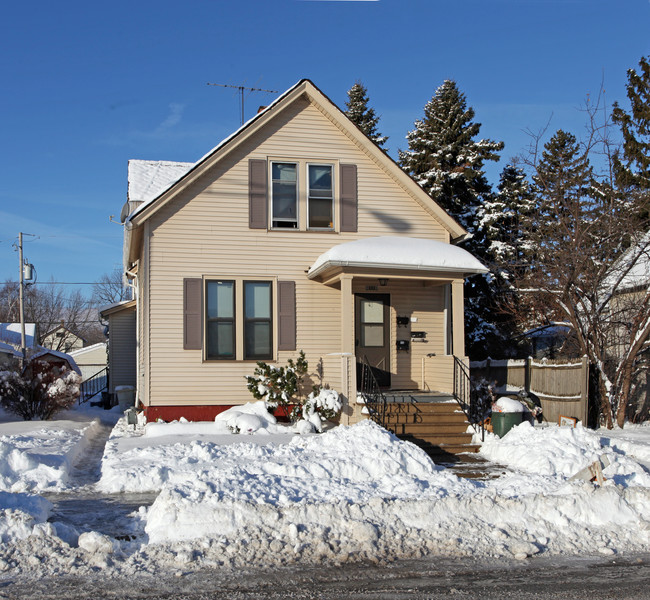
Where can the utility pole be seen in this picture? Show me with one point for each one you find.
(21, 296)
(241, 89)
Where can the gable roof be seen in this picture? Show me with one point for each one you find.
(304, 88)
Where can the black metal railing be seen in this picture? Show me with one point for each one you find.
(469, 402)
(94, 386)
(368, 389)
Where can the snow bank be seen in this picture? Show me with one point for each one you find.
(22, 515)
(38, 455)
(359, 493)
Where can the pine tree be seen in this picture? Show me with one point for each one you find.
(633, 168)
(447, 162)
(363, 116)
(564, 184)
(444, 157)
(502, 220)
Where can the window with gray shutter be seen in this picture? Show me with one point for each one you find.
(192, 313)
(348, 197)
(286, 315)
(257, 194)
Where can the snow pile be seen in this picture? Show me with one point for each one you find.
(358, 493)
(561, 452)
(22, 515)
(39, 456)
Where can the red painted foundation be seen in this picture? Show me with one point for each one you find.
(198, 413)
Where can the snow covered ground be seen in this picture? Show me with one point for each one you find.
(350, 494)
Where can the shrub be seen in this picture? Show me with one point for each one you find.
(40, 391)
(282, 387)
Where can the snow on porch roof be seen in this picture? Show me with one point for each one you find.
(389, 252)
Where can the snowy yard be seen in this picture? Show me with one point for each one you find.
(275, 498)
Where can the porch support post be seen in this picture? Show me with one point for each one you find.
(347, 344)
(458, 317)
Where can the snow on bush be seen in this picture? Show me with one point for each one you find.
(40, 391)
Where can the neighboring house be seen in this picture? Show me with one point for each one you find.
(555, 340)
(62, 339)
(295, 233)
(122, 343)
(91, 359)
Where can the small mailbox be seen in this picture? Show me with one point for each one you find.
(403, 345)
(418, 335)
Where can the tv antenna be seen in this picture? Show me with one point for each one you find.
(240, 90)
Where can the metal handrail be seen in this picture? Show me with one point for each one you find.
(468, 401)
(93, 385)
(373, 397)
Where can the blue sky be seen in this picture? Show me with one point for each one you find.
(86, 86)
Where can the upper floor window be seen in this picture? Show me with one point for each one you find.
(320, 198)
(284, 195)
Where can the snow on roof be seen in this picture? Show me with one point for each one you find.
(149, 178)
(10, 333)
(62, 355)
(394, 252)
(86, 349)
(639, 273)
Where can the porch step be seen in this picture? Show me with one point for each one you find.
(441, 451)
(438, 427)
(430, 428)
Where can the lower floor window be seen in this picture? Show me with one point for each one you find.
(220, 319)
(257, 319)
(238, 314)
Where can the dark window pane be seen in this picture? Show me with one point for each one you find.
(221, 339)
(258, 339)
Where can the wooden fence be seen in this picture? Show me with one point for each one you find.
(561, 386)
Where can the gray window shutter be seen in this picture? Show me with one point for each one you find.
(286, 315)
(257, 194)
(348, 197)
(192, 314)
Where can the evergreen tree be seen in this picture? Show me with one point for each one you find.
(447, 161)
(633, 167)
(565, 186)
(363, 116)
(444, 157)
(502, 219)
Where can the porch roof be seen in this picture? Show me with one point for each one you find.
(394, 252)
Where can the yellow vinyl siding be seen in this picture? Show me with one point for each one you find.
(204, 233)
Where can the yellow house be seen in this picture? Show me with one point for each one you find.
(295, 233)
